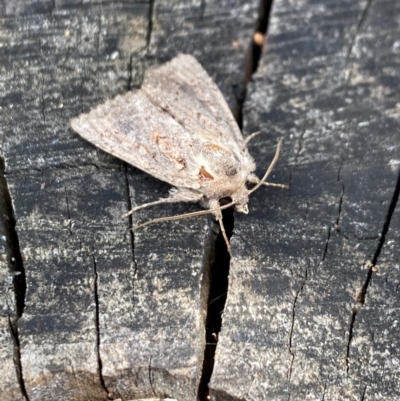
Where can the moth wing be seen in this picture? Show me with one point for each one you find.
(177, 127)
(135, 130)
(184, 89)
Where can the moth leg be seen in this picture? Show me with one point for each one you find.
(183, 216)
(251, 136)
(175, 195)
(144, 205)
(252, 178)
(226, 239)
(214, 205)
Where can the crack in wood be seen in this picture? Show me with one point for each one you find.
(335, 226)
(352, 322)
(219, 270)
(362, 294)
(358, 30)
(345, 154)
(252, 58)
(68, 212)
(218, 290)
(203, 6)
(294, 306)
(291, 352)
(130, 73)
(151, 379)
(340, 208)
(256, 48)
(131, 233)
(13, 326)
(16, 268)
(43, 104)
(326, 244)
(97, 323)
(150, 25)
(324, 392)
(14, 256)
(98, 36)
(363, 394)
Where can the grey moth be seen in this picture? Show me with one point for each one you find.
(178, 128)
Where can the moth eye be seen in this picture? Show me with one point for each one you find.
(204, 174)
(232, 170)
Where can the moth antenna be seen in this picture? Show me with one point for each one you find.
(251, 136)
(275, 185)
(270, 168)
(253, 179)
(182, 216)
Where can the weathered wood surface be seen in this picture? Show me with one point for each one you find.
(308, 316)
(107, 315)
(104, 314)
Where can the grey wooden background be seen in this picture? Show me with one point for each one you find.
(306, 308)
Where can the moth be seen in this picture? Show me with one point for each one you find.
(179, 128)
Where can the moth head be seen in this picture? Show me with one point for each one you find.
(241, 197)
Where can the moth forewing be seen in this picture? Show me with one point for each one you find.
(178, 128)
